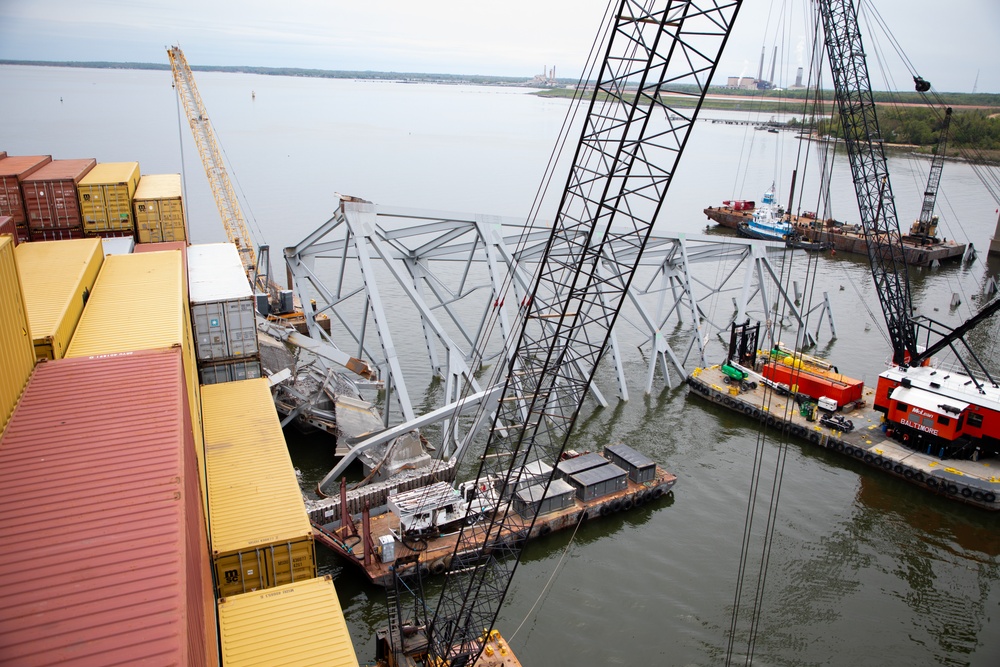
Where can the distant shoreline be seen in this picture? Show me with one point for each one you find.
(476, 79)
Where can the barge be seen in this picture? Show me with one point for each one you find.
(839, 237)
(421, 527)
(859, 433)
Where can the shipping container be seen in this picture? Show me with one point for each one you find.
(295, 625)
(7, 226)
(159, 209)
(539, 500)
(117, 245)
(139, 302)
(640, 468)
(57, 278)
(13, 169)
(179, 246)
(598, 482)
(106, 194)
(50, 197)
(579, 464)
(222, 304)
(105, 557)
(60, 234)
(261, 535)
(229, 371)
(17, 353)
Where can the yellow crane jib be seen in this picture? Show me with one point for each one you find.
(211, 159)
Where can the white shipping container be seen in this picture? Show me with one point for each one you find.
(222, 303)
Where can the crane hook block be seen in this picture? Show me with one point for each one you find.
(922, 85)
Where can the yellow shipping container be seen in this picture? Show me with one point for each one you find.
(106, 194)
(139, 302)
(57, 278)
(17, 353)
(260, 534)
(296, 624)
(159, 209)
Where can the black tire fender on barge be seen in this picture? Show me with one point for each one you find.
(657, 492)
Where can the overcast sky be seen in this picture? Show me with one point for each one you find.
(950, 44)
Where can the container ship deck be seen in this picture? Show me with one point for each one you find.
(972, 482)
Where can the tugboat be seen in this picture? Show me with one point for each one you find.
(768, 223)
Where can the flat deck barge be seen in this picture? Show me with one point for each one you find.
(349, 541)
(972, 482)
(843, 238)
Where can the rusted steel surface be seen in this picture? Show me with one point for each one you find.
(437, 555)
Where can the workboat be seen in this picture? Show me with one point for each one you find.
(768, 223)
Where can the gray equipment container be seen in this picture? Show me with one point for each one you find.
(579, 463)
(229, 371)
(598, 482)
(640, 467)
(222, 303)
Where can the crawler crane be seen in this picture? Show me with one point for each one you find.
(631, 143)
(947, 413)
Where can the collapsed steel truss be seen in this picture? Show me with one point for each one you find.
(387, 275)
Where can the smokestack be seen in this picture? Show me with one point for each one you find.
(760, 70)
(774, 59)
(798, 78)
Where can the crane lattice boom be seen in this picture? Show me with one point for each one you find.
(211, 158)
(632, 140)
(934, 178)
(870, 171)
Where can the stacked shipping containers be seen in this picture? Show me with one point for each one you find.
(295, 624)
(260, 534)
(50, 200)
(106, 194)
(222, 313)
(123, 576)
(17, 353)
(57, 278)
(159, 209)
(139, 302)
(14, 169)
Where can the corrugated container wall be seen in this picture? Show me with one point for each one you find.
(229, 371)
(261, 536)
(222, 304)
(57, 278)
(106, 194)
(114, 569)
(13, 169)
(50, 198)
(139, 302)
(17, 353)
(159, 209)
(295, 624)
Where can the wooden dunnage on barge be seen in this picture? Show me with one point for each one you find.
(971, 482)
(366, 545)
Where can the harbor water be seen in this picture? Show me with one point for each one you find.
(862, 569)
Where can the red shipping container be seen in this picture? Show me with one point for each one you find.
(50, 197)
(13, 170)
(127, 578)
(56, 234)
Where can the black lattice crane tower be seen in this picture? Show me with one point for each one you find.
(925, 228)
(657, 52)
